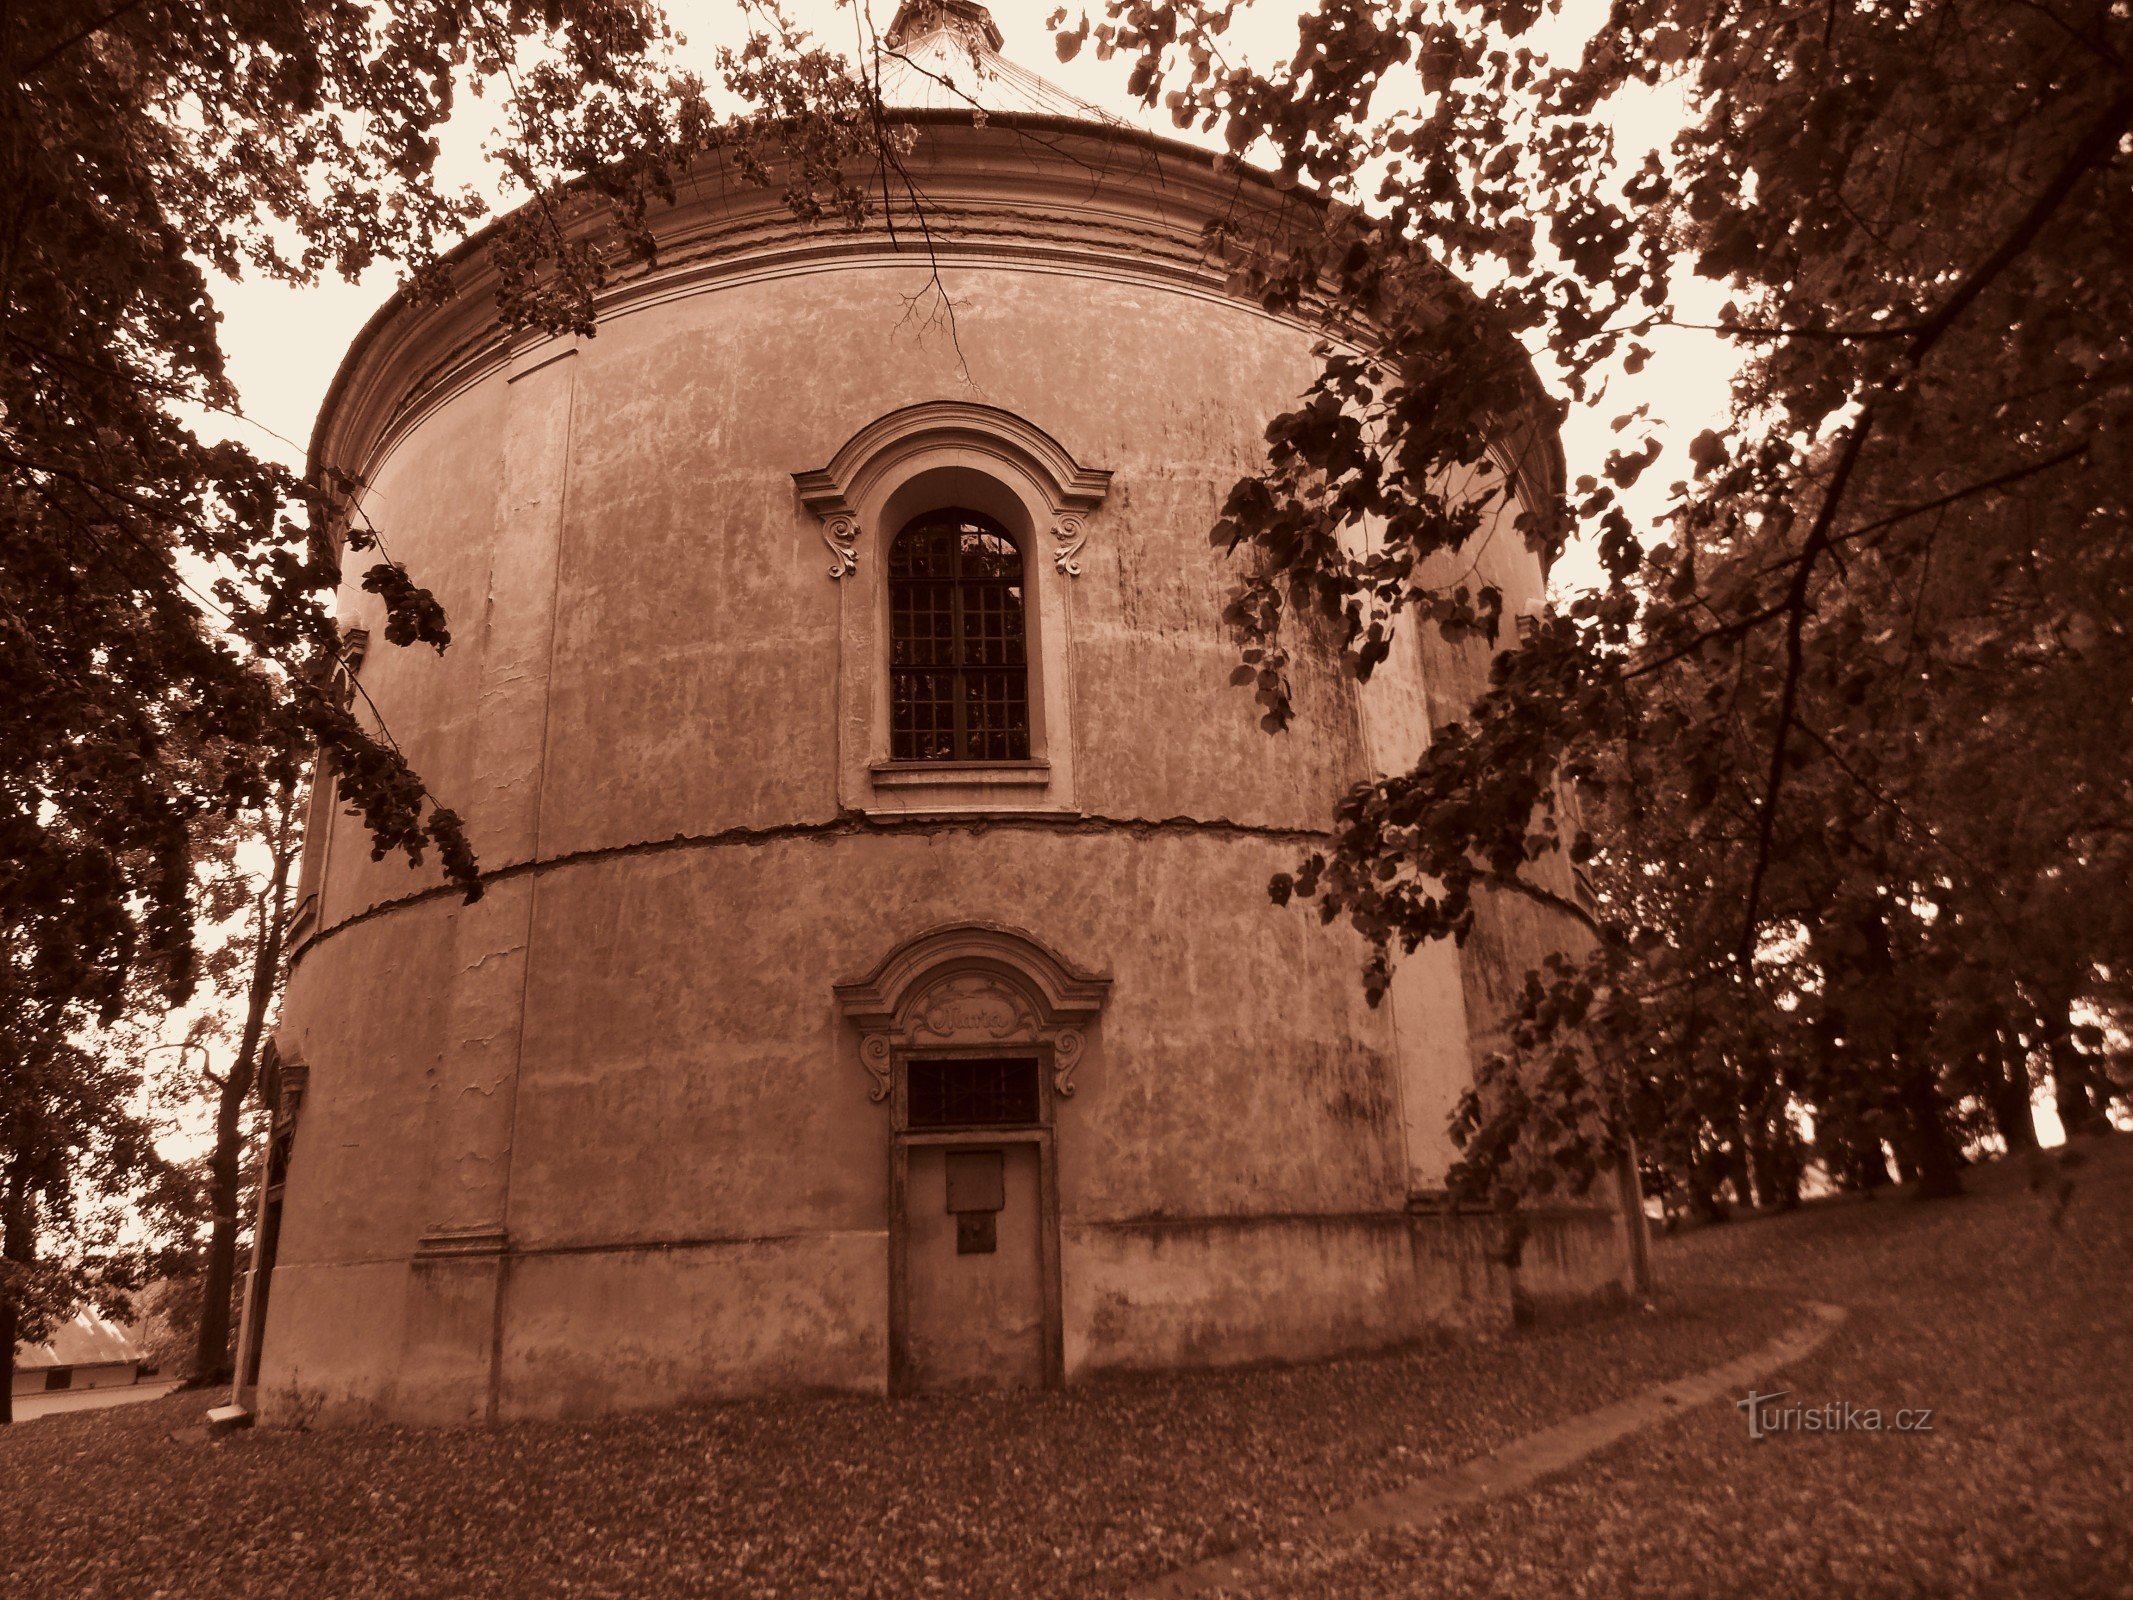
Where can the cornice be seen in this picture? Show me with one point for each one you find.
(1020, 193)
(374, 421)
(1028, 192)
(847, 825)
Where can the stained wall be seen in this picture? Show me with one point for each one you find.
(602, 1139)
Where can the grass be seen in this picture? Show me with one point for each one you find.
(2015, 1331)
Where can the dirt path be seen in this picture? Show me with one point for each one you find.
(65, 1402)
(1524, 1461)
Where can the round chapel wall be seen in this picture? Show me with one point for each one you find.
(662, 1116)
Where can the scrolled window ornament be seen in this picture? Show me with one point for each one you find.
(1069, 534)
(1066, 1053)
(971, 1005)
(874, 1056)
(974, 989)
(841, 534)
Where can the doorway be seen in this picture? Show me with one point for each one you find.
(973, 1242)
(970, 1034)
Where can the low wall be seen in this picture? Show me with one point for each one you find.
(117, 1375)
(1170, 1293)
(585, 1332)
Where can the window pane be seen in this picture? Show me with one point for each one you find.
(922, 715)
(958, 653)
(996, 715)
(989, 555)
(922, 625)
(992, 624)
(925, 551)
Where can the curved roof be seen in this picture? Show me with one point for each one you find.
(86, 1339)
(942, 72)
(944, 55)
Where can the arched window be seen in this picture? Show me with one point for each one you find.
(958, 667)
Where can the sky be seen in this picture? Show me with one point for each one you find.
(284, 343)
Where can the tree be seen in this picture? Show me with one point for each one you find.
(166, 644)
(1901, 566)
(77, 1163)
(245, 971)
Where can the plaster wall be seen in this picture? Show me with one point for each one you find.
(603, 1139)
(687, 608)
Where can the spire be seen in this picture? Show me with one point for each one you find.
(970, 22)
(944, 55)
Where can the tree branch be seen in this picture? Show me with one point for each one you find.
(1548, 897)
(1984, 486)
(2100, 140)
(1795, 662)
(76, 37)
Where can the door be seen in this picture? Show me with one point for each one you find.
(974, 1264)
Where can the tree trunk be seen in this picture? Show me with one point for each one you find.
(2074, 1085)
(1934, 1158)
(15, 1239)
(1775, 1157)
(1862, 1165)
(211, 1352)
(7, 1343)
(1703, 1179)
(1907, 1168)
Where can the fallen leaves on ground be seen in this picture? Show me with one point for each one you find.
(1075, 1493)
(2016, 1330)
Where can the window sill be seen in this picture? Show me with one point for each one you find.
(303, 923)
(961, 774)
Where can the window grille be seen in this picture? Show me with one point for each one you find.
(971, 1094)
(958, 661)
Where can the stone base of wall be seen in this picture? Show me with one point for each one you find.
(1164, 1294)
(588, 1332)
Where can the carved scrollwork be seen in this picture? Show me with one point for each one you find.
(1066, 1052)
(1069, 534)
(841, 534)
(874, 1056)
(976, 990)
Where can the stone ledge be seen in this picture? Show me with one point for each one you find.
(961, 774)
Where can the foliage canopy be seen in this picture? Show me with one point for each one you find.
(1850, 731)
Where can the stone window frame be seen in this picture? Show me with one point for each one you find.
(929, 457)
(324, 803)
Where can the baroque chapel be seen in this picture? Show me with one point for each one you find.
(875, 986)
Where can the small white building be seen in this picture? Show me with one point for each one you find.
(88, 1351)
